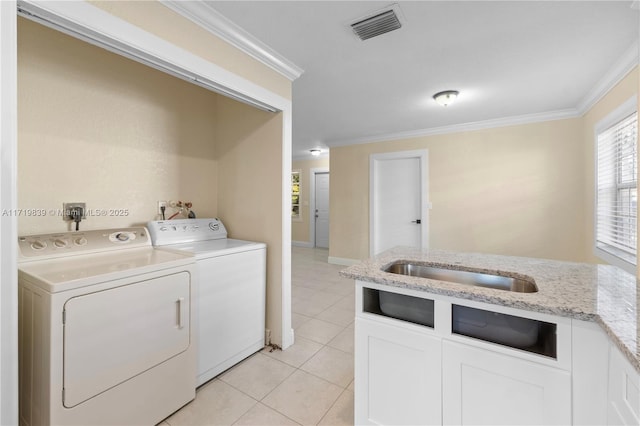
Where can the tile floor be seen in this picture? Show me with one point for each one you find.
(311, 383)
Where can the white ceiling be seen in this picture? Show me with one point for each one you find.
(527, 59)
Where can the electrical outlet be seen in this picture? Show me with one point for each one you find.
(160, 205)
(69, 207)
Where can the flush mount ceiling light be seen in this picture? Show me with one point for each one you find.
(315, 152)
(446, 98)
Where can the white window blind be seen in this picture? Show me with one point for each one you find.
(617, 171)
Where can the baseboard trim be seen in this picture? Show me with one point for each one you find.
(289, 340)
(342, 261)
(306, 244)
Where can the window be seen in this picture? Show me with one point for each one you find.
(295, 195)
(616, 187)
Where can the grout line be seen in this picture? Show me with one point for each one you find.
(323, 379)
(334, 403)
(312, 262)
(311, 374)
(243, 414)
(298, 262)
(252, 397)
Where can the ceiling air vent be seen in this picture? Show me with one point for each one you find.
(380, 23)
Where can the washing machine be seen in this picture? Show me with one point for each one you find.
(231, 304)
(106, 331)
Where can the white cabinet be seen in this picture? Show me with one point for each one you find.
(454, 372)
(397, 375)
(589, 370)
(407, 373)
(623, 407)
(482, 387)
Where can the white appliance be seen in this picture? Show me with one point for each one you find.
(231, 294)
(105, 329)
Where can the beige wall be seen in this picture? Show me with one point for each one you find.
(521, 190)
(513, 190)
(249, 154)
(300, 228)
(161, 21)
(99, 128)
(624, 90)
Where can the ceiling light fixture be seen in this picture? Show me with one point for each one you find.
(446, 98)
(315, 152)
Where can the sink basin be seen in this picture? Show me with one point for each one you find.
(477, 279)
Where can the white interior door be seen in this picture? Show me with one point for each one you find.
(398, 200)
(322, 209)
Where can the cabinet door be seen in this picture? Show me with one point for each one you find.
(624, 391)
(481, 387)
(397, 375)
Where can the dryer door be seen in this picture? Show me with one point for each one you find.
(113, 335)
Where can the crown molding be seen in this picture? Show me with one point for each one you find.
(627, 62)
(84, 21)
(204, 15)
(464, 127)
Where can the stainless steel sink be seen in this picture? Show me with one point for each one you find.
(463, 277)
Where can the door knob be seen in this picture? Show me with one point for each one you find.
(418, 221)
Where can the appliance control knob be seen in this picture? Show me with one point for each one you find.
(80, 241)
(38, 245)
(214, 226)
(163, 228)
(122, 236)
(60, 243)
(174, 228)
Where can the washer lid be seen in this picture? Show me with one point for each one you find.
(211, 248)
(54, 275)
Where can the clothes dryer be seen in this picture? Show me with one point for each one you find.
(105, 329)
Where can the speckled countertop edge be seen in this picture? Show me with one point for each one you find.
(601, 293)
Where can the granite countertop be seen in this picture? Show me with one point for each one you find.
(601, 293)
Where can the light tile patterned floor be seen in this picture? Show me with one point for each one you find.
(308, 384)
